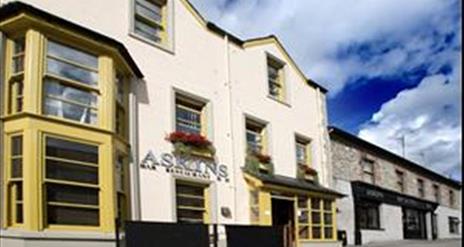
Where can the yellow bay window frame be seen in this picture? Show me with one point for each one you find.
(34, 126)
(205, 197)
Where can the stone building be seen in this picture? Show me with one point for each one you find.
(389, 197)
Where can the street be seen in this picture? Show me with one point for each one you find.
(414, 243)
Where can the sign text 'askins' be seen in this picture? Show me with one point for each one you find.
(186, 166)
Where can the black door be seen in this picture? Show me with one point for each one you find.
(283, 215)
(414, 224)
(434, 226)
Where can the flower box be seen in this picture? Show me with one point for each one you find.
(191, 144)
(259, 163)
(306, 173)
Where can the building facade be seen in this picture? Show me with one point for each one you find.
(216, 129)
(389, 197)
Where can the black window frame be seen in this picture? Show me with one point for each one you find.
(362, 209)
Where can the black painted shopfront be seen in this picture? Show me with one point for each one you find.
(368, 198)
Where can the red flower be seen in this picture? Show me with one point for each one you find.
(263, 158)
(192, 139)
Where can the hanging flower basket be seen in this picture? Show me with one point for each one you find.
(191, 144)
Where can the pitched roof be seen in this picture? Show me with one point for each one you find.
(398, 160)
(16, 8)
(241, 43)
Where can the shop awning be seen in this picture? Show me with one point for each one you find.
(298, 186)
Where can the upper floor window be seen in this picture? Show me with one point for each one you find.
(15, 88)
(303, 152)
(400, 180)
(190, 115)
(255, 134)
(436, 192)
(420, 188)
(150, 19)
(368, 171)
(70, 84)
(276, 80)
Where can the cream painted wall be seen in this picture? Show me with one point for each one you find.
(233, 82)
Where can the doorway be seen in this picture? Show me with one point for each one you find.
(283, 214)
(414, 224)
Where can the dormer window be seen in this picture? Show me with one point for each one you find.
(276, 83)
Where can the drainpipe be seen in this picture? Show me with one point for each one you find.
(134, 144)
(2, 182)
(231, 114)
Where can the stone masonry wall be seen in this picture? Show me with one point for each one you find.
(346, 159)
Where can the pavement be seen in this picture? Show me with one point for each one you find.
(417, 243)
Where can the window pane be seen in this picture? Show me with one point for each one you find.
(17, 168)
(19, 213)
(18, 64)
(72, 72)
(328, 232)
(316, 217)
(316, 203)
(303, 232)
(16, 145)
(70, 111)
(72, 216)
(328, 218)
(71, 150)
(303, 217)
(303, 203)
(19, 191)
(71, 172)
(149, 10)
(316, 232)
(327, 205)
(191, 216)
(72, 54)
(72, 194)
(56, 89)
(190, 202)
(19, 45)
(149, 32)
(189, 190)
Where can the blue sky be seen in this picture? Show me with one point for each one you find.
(393, 67)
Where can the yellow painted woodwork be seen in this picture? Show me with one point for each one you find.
(34, 126)
(265, 208)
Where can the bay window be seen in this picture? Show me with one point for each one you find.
(71, 84)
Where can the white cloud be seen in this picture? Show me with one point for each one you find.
(316, 31)
(429, 117)
(337, 42)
